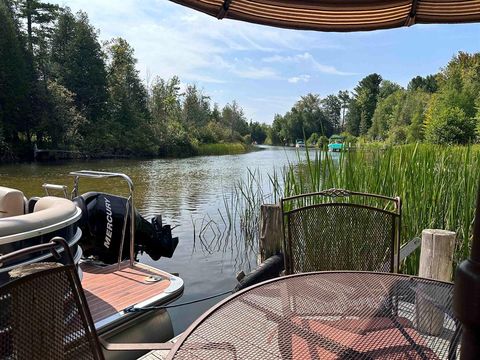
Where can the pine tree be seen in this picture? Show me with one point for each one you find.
(14, 78)
(196, 107)
(353, 117)
(332, 108)
(344, 97)
(127, 99)
(78, 64)
(38, 19)
(367, 92)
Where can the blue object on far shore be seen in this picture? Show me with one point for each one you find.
(335, 147)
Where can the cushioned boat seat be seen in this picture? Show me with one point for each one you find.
(48, 211)
(12, 202)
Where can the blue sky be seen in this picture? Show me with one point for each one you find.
(267, 69)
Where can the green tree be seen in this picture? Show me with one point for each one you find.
(128, 100)
(277, 133)
(165, 108)
(413, 114)
(449, 125)
(22, 98)
(313, 139)
(311, 117)
(38, 20)
(454, 106)
(258, 132)
(367, 92)
(304, 118)
(14, 77)
(234, 119)
(216, 115)
(332, 108)
(459, 82)
(78, 64)
(387, 115)
(62, 49)
(344, 97)
(165, 99)
(428, 84)
(353, 117)
(398, 135)
(195, 107)
(387, 88)
(38, 17)
(62, 128)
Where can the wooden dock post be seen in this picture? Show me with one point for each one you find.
(436, 262)
(271, 230)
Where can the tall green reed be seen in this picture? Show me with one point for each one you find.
(221, 149)
(437, 185)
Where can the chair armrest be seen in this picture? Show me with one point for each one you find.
(135, 346)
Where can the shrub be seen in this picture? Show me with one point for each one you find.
(449, 126)
(398, 135)
(313, 139)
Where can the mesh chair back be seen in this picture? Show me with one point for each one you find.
(341, 230)
(44, 314)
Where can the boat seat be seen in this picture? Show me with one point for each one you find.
(48, 211)
(12, 202)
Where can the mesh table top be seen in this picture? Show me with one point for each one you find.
(329, 315)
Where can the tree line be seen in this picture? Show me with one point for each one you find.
(442, 108)
(61, 88)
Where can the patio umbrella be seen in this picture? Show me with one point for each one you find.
(340, 15)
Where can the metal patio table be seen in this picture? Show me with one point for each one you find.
(329, 315)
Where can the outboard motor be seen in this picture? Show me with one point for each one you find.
(103, 222)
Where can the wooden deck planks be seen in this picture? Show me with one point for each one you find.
(159, 354)
(155, 355)
(109, 290)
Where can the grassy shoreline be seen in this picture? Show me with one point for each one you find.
(437, 185)
(223, 149)
(174, 151)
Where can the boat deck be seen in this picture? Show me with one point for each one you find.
(110, 290)
(159, 354)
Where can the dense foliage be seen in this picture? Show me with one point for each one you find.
(61, 88)
(443, 109)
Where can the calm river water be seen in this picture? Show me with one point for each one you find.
(190, 194)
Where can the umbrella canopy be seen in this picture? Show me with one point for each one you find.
(340, 15)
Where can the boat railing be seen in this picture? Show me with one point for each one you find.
(130, 208)
(55, 187)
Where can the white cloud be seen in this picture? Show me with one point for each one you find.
(173, 40)
(308, 59)
(244, 68)
(169, 39)
(299, 78)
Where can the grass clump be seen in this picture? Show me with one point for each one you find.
(222, 149)
(437, 185)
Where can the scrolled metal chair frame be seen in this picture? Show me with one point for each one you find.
(344, 198)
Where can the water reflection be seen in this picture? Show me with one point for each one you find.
(194, 194)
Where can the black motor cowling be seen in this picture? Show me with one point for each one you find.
(103, 224)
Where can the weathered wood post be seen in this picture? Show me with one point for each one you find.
(436, 262)
(466, 296)
(271, 230)
(436, 256)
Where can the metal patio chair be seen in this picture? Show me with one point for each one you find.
(339, 229)
(44, 313)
